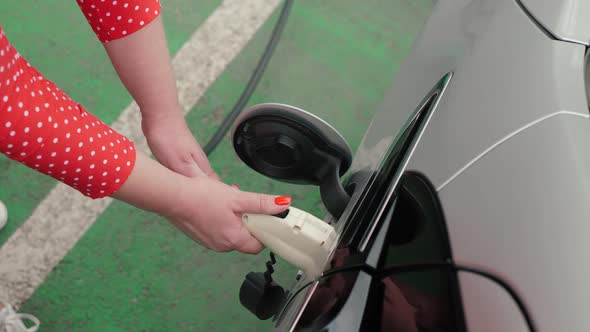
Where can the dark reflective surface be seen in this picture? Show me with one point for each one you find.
(410, 308)
(426, 300)
(406, 302)
(409, 301)
(330, 295)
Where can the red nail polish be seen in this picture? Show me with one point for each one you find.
(283, 200)
(235, 186)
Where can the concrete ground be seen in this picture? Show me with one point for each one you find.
(130, 270)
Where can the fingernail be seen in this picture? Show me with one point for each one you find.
(235, 186)
(283, 200)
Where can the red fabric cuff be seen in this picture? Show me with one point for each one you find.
(114, 19)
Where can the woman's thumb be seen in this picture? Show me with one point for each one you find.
(262, 204)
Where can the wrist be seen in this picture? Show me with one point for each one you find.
(160, 111)
(180, 202)
(163, 110)
(153, 187)
(152, 121)
(175, 207)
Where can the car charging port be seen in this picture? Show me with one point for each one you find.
(291, 145)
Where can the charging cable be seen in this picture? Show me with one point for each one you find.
(254, 79)
(427, 266)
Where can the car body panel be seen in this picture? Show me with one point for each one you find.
(500, 71)
(485, 302)
(506, 150)
(566, 20)
(522, 212)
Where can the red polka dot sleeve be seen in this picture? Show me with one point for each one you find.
(113, 19)
(41, 127)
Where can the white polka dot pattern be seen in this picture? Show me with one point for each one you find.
(41, 127)
(113, 19)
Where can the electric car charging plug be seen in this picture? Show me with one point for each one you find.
(296, 236)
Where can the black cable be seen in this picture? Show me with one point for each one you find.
(350, 268)
(458, 267)
(521, 306)
(405, 268)
(414, 267)
(254, 79)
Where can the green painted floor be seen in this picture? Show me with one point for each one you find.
(133, 272)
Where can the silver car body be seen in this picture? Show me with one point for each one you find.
(507, 151)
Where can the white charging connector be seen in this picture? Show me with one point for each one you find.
(296, 236)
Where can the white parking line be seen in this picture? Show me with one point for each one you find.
(64, 215)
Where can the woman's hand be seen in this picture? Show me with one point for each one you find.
(173, 144)
(206, 210)
(210, 213)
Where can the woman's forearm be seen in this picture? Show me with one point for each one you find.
(133, 35)
(152, 187)
(142, 61)
(206, 210)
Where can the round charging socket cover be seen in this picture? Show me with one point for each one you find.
(289, 144)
